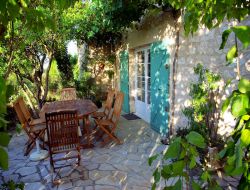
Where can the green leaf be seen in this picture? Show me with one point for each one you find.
(23, 3)
(228, 82)
(231, 159)
(226, 104)
(2, 96)
(246, 117)
(229, 168)
(192, 163)
(157, 175)
(173, 149)
(166, 171)
(231, 54)
(18, 128)
(152, 158)
(243, 34)
(238, 156)
(4, 139)
(222, 153)
(153, 186)
(196, 139)
(237, 171)
(239, 105)
(3, 159)
(245, 137)
(195, 186)
(178, 167)
(205, 176)
(225, 35)
(227, 150)
(177, 185)
(244, 85)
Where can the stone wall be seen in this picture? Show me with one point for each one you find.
(202, 47)
(159, 28)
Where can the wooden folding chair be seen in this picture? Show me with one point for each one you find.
(109, 125)
(34, 128)
(68, 94)
(63, 137)
(107, 107)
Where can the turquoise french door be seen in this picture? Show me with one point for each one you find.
(159, 87)
(124, 79)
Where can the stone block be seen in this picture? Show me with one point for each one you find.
(26, 171)
(34, 186)
(31, 178)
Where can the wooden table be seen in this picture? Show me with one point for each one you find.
(83, 107)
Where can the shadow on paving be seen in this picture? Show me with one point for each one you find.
(111, 167)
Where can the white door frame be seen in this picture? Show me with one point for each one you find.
(142, 109)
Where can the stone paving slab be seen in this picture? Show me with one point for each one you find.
(113, 167)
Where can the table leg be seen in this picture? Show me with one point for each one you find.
(87, 125)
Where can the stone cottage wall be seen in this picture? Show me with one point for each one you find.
(202, 47)
(153, 29)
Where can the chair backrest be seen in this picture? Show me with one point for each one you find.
(62, 130)
(117, 107)
(19, 112)
(109, 101)
(25, 109)
(68, 94)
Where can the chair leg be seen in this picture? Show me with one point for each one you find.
(29, 147)
(110, 134)
(106, 141)
(88, 131)
(79, 156)
(99, 134)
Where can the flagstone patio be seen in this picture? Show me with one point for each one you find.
(112, 167)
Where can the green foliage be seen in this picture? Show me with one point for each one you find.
(4, 164)
(101, 22)
(64, 66)
(11, 185)
(85, 86)
(211, 13)
(180, 160)
(196, 139)
(31, 13)
(4, 137)
(55, 78)
(242, 33)
(237, 150)
(231, 54)
(201, 113)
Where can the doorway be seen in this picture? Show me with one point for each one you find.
(142, 83)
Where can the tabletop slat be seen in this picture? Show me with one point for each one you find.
(84, 107)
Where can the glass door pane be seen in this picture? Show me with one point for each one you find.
(148, 75)
(141, 76)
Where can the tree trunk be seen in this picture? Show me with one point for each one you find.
(46, 82)
(82, 49)
(174, 71)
